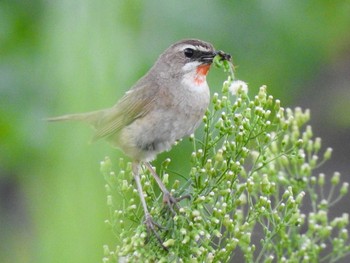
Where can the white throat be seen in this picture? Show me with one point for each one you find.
(194, 82)
(190, 66)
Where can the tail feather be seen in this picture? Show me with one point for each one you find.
(89, 117)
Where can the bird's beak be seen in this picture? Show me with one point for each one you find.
(208, 57)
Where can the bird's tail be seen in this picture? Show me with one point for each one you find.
(89, 117)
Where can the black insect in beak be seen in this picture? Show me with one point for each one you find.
(223, 55)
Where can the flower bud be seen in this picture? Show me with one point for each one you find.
(169, 243)
(328, 153)
(317, 144)
(321, 177)
(277, 105)
(344, 188)
(335, 178)
(165, 178)
(344, 234)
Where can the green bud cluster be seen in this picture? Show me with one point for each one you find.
(252, 174)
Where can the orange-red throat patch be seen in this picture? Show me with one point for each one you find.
(201, 73)
(203, 69)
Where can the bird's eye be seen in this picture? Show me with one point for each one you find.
(189, 52)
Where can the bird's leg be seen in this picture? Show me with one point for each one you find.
(150, 224)
(167, 197)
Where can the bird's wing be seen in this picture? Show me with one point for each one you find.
(134, 104)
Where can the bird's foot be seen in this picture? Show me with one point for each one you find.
(172, 201)
(151, 226)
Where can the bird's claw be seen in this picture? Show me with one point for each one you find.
(172, 201)
(151, 226)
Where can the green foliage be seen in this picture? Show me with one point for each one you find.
(253, 190)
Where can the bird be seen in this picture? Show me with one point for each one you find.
(165, 105)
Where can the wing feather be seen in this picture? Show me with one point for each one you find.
(134, 104)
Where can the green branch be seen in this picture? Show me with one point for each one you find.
(251, 171)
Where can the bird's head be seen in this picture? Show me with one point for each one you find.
(189, 58)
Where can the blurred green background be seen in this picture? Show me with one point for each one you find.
(65, 56)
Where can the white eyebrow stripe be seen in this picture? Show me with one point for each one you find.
(201, 48)
(204, 49)
(182, 48)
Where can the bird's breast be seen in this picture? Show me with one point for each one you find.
(192, 102)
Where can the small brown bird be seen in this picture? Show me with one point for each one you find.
(165, 105)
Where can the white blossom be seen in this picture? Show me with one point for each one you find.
(238, 85)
